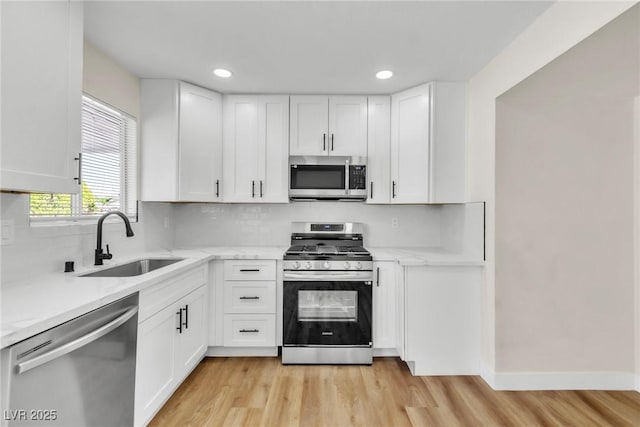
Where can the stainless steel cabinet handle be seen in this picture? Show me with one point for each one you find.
(260, 188)
(79, 342)
(393, 189)
(217, 188)
(331, 142)
(249, 297)
(253, 189)
(377, 277)
(324, 142)
(79, 177)
(244, 331)
(244, 270)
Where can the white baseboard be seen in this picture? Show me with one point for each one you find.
(560, 380)
(638, 383)
(242, 351)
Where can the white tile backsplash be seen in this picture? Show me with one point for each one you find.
(270, 224)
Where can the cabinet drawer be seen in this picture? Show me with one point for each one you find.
(249, 297)
(249, 270)
(249, 330)
(164, 293)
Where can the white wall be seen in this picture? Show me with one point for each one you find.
(564, 209)
(43, 249)
(558, 29)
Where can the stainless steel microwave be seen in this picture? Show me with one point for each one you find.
(325, 177)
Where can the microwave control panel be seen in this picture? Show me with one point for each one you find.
(357, 177)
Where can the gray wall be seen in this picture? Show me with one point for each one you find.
(564, 284)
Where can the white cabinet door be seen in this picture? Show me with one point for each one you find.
(410, 145)
(255, 148)
(41, 95)
(155, 363)
(240, 148)
(273, 149)
(309, 125)
(347, 126)
(448, 142)
(181, 137)
(192, 339)
(443, 320)
(200, 164)
(379, 149)
(384, 305)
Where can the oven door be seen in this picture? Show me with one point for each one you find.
(327, 313)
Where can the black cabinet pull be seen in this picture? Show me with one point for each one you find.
(79, 159)
(260, 188)
(249, 297)
(324, 142)
(217, 188)
(331, 142)
(179, 313)
(244, 331)
(371, 186)
(253, 189)
(186, 317)
(245, 270)
(393, 189)
(377, 277)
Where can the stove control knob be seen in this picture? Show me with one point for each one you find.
(326, 265)
(347, 265)
(307, 265)
(296, 265)
(359, 265)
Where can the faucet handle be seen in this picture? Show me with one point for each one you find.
(107, 255)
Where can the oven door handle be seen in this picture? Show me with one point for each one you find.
(329, 276)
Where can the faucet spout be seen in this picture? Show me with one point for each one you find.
(99, 254)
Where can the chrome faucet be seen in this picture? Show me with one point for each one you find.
(99, 255)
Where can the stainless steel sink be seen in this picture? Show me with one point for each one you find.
(134, 268)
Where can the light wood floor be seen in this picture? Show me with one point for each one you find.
(263, 392)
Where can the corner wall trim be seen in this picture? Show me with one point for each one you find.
(519, 381)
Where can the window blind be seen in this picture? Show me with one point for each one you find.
(109, 167)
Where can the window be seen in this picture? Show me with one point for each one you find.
(109, 172)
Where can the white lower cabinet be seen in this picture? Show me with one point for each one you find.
(384, 304)
(171, 341)
(442, 320)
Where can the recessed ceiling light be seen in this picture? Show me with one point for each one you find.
(384, 74)
(221, 72)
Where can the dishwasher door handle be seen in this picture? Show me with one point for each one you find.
(77, 343)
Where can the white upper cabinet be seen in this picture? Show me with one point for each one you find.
(428, 144)
(379, 149)
(410, 137)
(309, 125)
(181, 142)
(347, 126)
(255, 148)
(41, 95)
(328, 125)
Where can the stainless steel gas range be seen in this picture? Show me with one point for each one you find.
(327, 299)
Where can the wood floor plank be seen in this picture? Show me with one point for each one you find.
(262, 392)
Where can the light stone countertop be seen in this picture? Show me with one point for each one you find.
(31, 306)
(425, 256)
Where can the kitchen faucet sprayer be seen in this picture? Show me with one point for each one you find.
(99, 254)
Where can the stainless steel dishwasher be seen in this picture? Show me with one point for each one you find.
(80, 373)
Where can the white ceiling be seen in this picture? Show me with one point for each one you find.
(306, 46)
